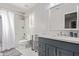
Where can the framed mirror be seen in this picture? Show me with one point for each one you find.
(71, 20)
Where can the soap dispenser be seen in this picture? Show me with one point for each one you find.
(75, 34)
(71, 34)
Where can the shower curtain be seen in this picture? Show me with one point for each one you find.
(8, 33)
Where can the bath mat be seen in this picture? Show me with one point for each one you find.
(12, 52)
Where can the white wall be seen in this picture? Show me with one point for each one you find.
(41, 15)
(57, 18)
(50, 26)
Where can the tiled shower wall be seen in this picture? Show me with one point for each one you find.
(0, 30)
(19, 27)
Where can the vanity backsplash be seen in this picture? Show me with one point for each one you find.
(70, 33)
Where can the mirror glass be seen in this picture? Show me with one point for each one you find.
(71, 20)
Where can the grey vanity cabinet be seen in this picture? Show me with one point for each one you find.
(63, 52)
(52, 47)
(50, 50)
(54, 51)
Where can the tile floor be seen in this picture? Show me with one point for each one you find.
(26, 51)
(1, 54)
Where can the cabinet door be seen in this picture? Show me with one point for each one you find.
(41, 49)
(76, 53)
(50, 50)
(62, 52)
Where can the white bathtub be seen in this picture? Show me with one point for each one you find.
(25, 43)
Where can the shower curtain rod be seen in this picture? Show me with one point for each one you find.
(15, 11)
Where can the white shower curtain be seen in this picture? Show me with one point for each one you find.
(8, 33)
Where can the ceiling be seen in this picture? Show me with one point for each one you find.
(24, 6)
(27, 6)
(21, 7)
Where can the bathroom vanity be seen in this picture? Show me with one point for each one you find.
(64, 17)
(58, 47)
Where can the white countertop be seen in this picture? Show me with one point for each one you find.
(62, 38)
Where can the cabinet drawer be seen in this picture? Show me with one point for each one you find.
(50, 50)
